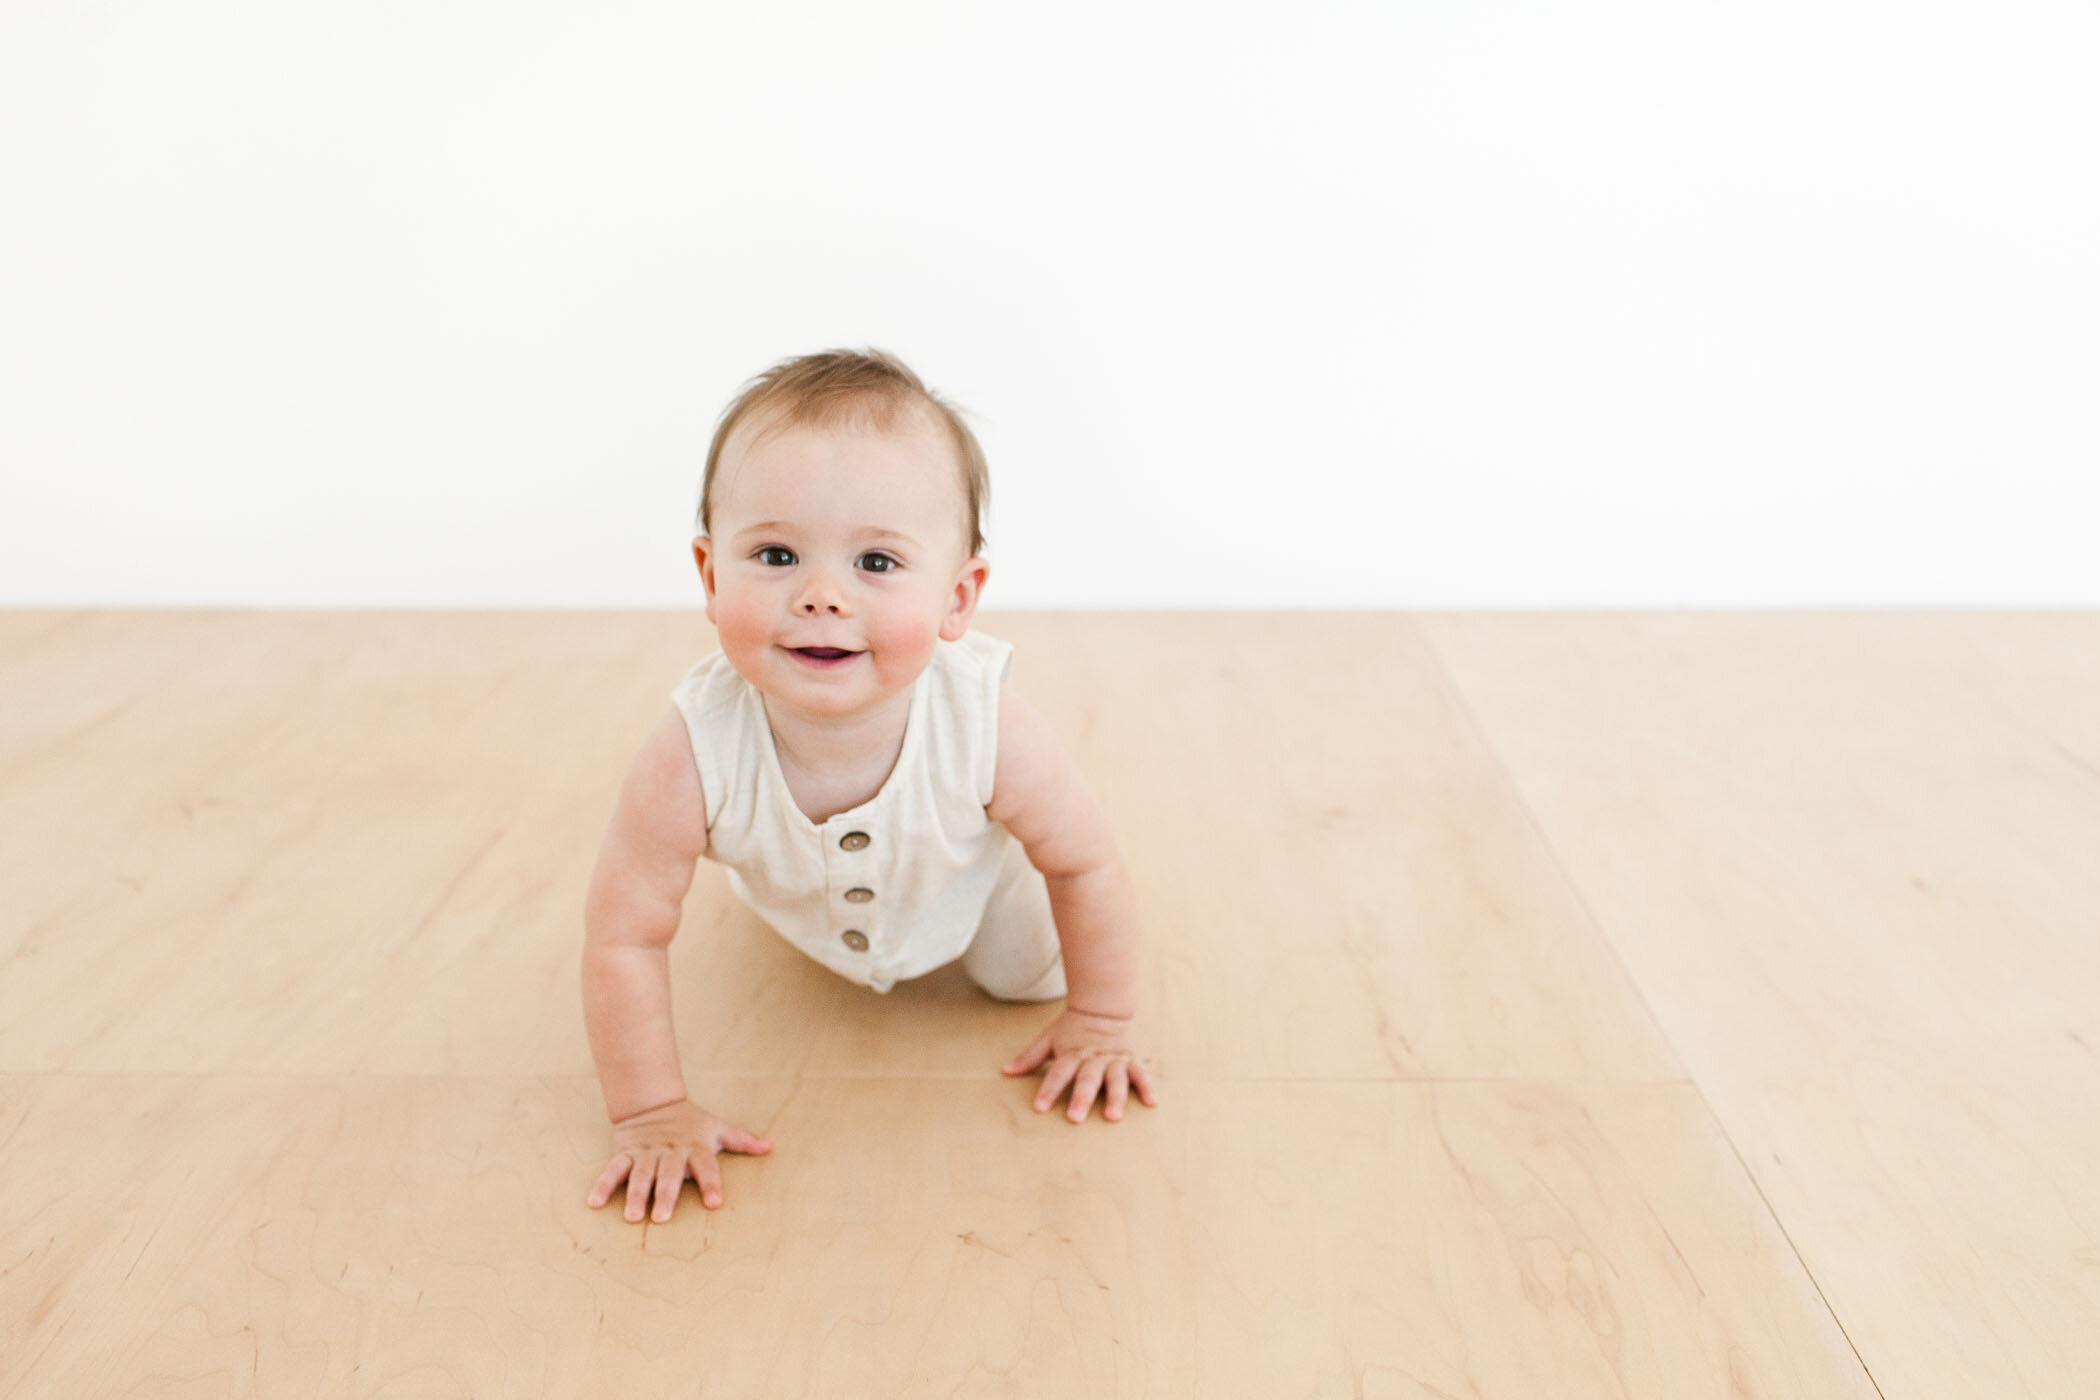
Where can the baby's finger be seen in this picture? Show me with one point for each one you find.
(1118, 1090)
(735, 1139)
(638, 1183)
(609, 1180)
(1061, 1071)
(707, 1174)
(1142, 1077)
(670, 1176)
(1085, 1087)
(1028, 1059)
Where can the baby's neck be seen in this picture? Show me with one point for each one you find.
(840, 746)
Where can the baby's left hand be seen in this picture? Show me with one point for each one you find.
(1086, 1051)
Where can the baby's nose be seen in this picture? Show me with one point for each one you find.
(822, 592)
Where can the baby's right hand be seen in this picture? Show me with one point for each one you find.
(661, 1146)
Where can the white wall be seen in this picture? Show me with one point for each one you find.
(1279, 306)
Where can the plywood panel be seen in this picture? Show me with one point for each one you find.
(1851, 861)
(373, 1235)
(346, 842)
(294, 1096)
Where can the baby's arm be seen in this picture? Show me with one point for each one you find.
(1039, 794)
(645, 866)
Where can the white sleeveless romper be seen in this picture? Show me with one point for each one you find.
(911, 879)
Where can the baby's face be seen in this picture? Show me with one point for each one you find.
(848, 540)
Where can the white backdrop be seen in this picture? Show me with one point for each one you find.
(1292, 306)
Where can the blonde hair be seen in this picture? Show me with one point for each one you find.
(848, 389)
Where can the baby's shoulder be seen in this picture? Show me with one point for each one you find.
(718, 708)
(710, 683)
(963, 714)
(976, 659)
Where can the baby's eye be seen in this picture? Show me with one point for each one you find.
(876, 562)
(776, 549)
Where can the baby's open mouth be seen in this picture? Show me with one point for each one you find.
(825, 653)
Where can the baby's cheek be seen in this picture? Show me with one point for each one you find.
(906, 647)
(741, 627)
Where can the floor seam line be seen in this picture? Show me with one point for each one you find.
(1507, 775)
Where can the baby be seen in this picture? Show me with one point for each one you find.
(881, 799)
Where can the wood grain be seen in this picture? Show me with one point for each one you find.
(1854, 864)
(389, 1235)
(381, 834)
(294, 1095)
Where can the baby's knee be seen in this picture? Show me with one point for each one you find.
(1047, 987)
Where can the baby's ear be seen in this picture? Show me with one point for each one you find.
(962, 603)
(704, 560)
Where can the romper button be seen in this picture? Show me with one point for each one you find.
(854, 841)
(859, 896)
(856, 940)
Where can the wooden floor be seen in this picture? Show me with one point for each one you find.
(1544, 1006)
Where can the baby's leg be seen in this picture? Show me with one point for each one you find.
(1015, 955)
